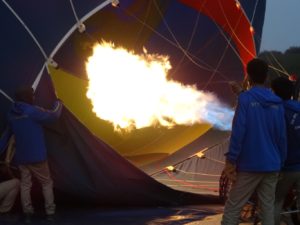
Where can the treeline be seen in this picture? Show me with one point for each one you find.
(288, 61)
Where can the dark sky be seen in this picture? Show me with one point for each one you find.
(282, 25)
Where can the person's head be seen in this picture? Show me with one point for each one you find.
(257, 71)
(25, 94)
(283, 87)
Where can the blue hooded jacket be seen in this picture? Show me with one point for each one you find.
(25, 122)
(258, 138)
(292, 116)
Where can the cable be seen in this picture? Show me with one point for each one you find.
(254, 11)
(200, 174)
(172, 34)
(74, 12)
(6, 96)
(144, 21)
(233, 31)
(189, 184)
(190, 40)
(280, 65)
(209, 68)
(192, 181)
(65, 38)
(194, 155)
(223, 55)
(215, 160)
(228, 41)
(283, 71)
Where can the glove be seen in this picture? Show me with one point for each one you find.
(230, 171)
(235, 87)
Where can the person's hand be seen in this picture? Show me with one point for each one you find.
(247, 213)
(236, 88)
(246, 83)
(230, 171)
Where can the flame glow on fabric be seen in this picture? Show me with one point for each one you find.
(133, 91)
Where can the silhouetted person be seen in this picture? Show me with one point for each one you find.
(290, 175)
(257, 147)
(25, 122)
(9, 187)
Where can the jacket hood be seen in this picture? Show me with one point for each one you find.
(292, 105)
(19, 108)
(264, 96)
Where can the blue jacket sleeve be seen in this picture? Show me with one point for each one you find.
(297, 126)
(238, 130)
(42, 115)
(283, 139)
(4, 139)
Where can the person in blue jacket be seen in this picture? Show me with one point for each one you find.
(290, 174)
(25, 122)
(257, 147)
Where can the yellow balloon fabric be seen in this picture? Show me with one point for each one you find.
(140, 146)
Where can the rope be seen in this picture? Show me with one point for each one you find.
(227, 40)
(182, 182)
(144, 21)
(178, 45)
(280, 65)
(201, 174)
(74, 12)
(233, 31)
(191, 39)
(254, 12)
(208, 68)
(172, 34)
(193, 186)
(39, 77)
(215, 160)
(188, 158)
(208, 42)
(67, 35)
(188, 46)
(217, 67)
(6, 95)
(192, 181)
(223, 55)
(260, 40)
